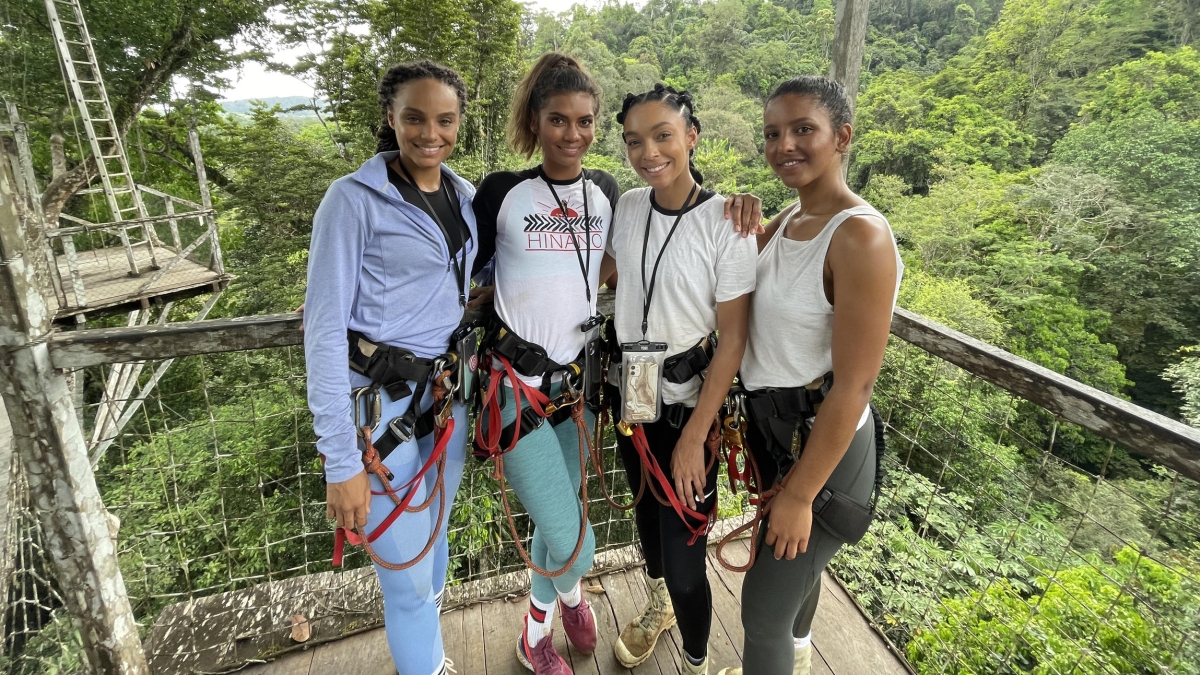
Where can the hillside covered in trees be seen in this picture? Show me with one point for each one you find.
(1039, 161)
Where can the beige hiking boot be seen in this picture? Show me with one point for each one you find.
(637, 640)
(801, 666)
(689, 669)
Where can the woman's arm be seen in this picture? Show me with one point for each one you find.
(340, 234)
(608, 268)
(687, 461)
(863, 267)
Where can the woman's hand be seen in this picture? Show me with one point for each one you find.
(687, 466)
(789, 524)
(481, 295)
(349, 502)
(300, 310)
(745, 210)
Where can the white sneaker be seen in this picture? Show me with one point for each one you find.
(801, 666)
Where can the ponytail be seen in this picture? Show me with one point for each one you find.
(678, 100)
(552, 74)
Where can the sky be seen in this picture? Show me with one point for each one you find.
(254, 81)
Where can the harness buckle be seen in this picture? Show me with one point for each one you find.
(403, 430)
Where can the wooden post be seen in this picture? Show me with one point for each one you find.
(214, 244)
(49, 444)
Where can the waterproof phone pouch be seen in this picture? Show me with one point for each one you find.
(641, 381)
(593, 355)
(465, 343)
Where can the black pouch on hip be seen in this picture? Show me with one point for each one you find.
(593, 360)
(841, 516)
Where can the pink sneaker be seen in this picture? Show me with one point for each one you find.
(543, 659)
(580, 624)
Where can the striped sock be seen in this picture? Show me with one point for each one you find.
(537, 626)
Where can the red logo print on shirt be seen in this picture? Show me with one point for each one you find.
(553, 232)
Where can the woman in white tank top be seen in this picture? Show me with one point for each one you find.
(827, 276)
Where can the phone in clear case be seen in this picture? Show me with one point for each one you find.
(641, 381)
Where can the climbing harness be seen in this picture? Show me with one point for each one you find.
(508, 356)
(391, 369)
(784, 416)
(533, 408)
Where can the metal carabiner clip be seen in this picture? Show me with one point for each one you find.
(372, 406)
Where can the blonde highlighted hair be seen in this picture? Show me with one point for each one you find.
(553, 74)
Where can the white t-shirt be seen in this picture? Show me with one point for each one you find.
(705, 263)
(540, 290)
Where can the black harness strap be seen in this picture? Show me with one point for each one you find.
(391, 368)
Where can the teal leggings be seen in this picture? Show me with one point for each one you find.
(544, 472)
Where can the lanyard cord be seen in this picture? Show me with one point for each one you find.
(648, 295)
(460, 269)
(585, 268)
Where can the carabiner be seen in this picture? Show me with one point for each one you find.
(373, 402)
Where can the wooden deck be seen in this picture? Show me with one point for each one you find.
(480, 638)
(107, 284)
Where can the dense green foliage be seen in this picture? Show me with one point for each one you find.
(1039, 161)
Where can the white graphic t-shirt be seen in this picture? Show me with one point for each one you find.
(539, 278)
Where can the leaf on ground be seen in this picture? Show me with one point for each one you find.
(301, 629)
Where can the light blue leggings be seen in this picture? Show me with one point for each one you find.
(410, 613)
(544, 472)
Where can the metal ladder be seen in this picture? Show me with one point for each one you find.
(82, 70)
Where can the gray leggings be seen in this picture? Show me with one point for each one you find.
(779, 597)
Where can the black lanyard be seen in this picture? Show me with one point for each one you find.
(585, 268)
(460, 269)
(648, 295)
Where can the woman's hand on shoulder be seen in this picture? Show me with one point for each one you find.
(745, 210)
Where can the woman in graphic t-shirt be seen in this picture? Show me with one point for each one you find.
(684, 274)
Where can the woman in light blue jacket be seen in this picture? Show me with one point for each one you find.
(393, 245)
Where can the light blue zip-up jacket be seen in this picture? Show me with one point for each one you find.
(378, 265)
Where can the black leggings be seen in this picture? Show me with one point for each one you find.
(665, 537)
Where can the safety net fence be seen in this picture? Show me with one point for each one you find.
(1006, 539)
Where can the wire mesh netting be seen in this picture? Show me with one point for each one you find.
(217, 486)
(1010, 541)
(1006, 540)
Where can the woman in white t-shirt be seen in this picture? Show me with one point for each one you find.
(684, 274)
(809, 370)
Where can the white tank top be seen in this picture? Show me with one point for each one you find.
(791, 320)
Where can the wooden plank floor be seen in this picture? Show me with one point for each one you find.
(480, 638)
(106, 280)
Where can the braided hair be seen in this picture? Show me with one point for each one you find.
(396, 76)
(553, 74)
(677, 100)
